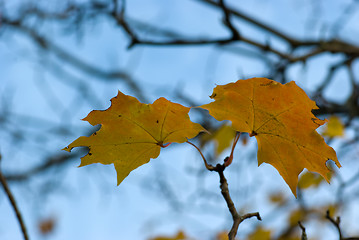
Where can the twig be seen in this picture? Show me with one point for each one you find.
(335, 223)
(237, 219)
(304, 234)
(54, 161)
(73, 60)
(228, 22)
(219, 168)
(13, 204)
(120, 19)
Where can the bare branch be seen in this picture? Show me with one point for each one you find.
(237, 219)
(336, 223)
(46, 44)
(228, 22)
(14, 205)
(58, 160)
(304, 234)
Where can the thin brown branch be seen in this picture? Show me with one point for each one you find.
(336, 224)
(237, 219)
(121, 21)
(304, 234)
(60, 159)
(255, 22)
(14, 205)
(333, 46)
(330, 46)
(228, 22)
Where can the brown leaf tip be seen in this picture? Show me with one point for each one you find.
(317, 121)
(213, 95)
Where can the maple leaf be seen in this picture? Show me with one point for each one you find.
(280, 118)
(132, 132)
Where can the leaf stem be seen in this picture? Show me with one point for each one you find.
(208, 166)
(229, 159)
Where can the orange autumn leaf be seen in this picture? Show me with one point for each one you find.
(280, 118)
(132, 132)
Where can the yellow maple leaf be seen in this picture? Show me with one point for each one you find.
(132, 132)
(280, 118)
(334, 127)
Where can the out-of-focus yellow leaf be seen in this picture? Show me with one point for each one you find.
(260, 234)
(224, 137)
(280, 117)
(334, 127)
(296, 216)
(222, 236)
(311, 180)
(179, 236)
(277, 198)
